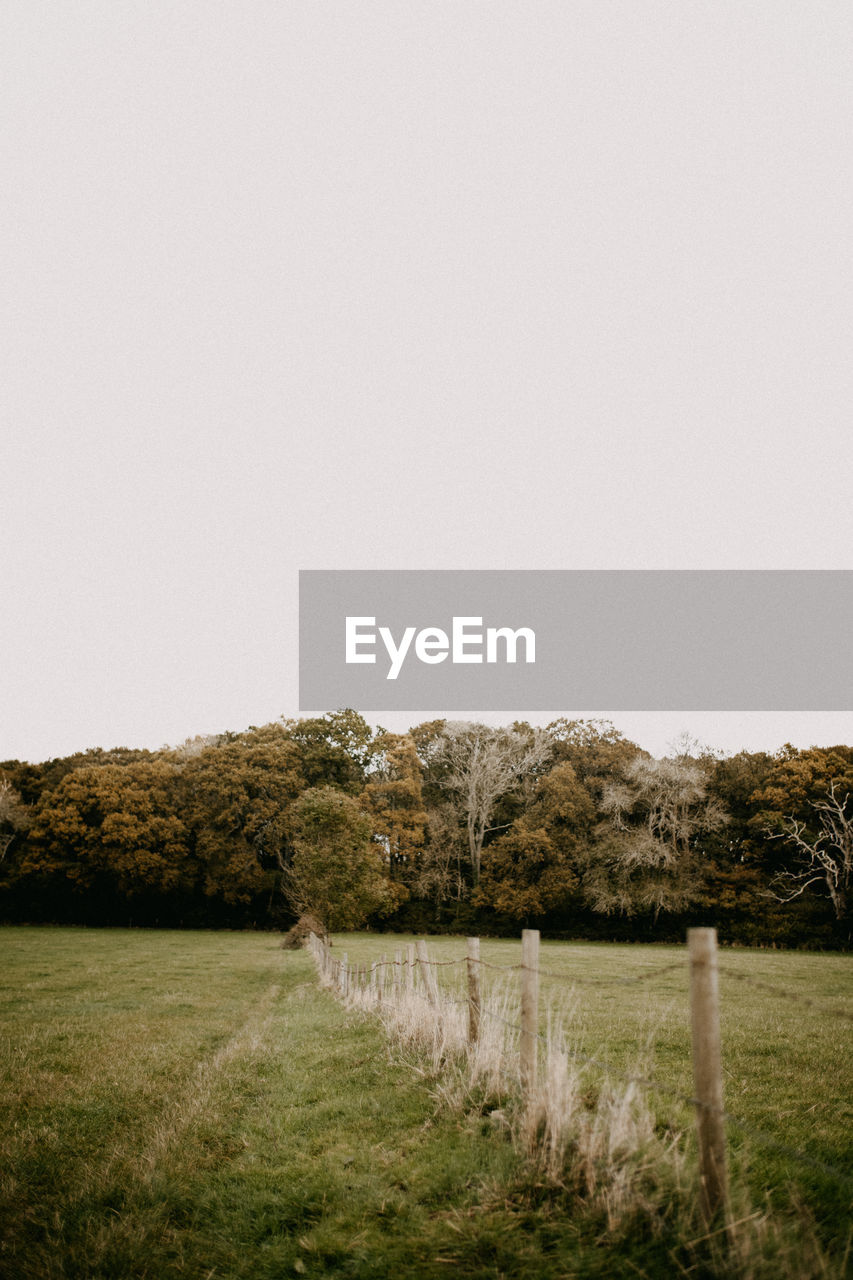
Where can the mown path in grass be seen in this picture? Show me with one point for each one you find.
(192, 1105)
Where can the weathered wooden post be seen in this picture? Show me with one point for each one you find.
(427, 972)
(345, 974)
(410, 968)
(529, 1010)
(398, 964)
(473, 991)
(707, 1070)
(383, 973)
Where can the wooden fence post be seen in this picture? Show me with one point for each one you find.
(398, 964)
(345, 974)
(473, 991)
(383, 974)
(707, 1070)
(427, 971)
(410, 968)
(529, 1009)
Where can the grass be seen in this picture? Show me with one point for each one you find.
(192, 1104)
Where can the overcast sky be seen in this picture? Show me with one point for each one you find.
(403, 285)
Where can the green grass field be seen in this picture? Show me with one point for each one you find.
(192, 1104)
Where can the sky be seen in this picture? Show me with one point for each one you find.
(373, 285)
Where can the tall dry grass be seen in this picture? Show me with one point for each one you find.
(592, 1139)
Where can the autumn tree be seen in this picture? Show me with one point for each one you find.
(335, 872)
(532, 869)
(394, 798)
(596, 750)
(236, 792)
(113, 832)
(735, 879)
(335, 749)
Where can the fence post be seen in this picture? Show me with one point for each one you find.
(345, 975)
(529, 1009)
(426, 970)
(473, 991)
(398, 964)
(410, 968)
(383, 974)
(707, 1070)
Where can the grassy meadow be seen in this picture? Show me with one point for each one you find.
(195, 1105)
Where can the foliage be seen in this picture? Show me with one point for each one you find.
(235, 794)
(335, 872)
(533, 868)
(14, 817)
(112, 830)
(474, 827)
(335, 750)
(393, 797)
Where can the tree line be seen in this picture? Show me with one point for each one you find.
(453, 826)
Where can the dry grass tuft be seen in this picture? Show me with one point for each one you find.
(584, 1136)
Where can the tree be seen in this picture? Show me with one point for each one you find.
(394, 798)
(479, 765)
(336, 749)
(533, 868)
(825, 857)
(235, 793)
(439, 877)
(595, 749)
(14, 818)
(793, 826)
(335, 872)
(114, 833)
(646, 855)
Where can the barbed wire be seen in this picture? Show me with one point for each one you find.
(660, 1086)
(784, 994)
(757, 1134)
(580, 980)
(574, 979)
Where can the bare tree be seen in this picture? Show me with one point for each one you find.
(645, 855)
(480, 765)
(827, 858)
(664, 801)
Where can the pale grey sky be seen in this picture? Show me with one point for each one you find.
(381, 285)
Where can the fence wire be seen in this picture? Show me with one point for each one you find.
(784, 994)
(761, 1136)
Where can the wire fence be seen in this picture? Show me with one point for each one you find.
(416, 973)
